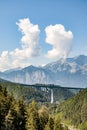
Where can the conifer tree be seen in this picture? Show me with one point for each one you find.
(10, 120)
(57, 123)
(50, 124)
(22, 114)
(43, 116)
(4, 106)
(32, 117)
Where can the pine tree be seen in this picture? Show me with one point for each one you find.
(50, 124)
(57, 123)
(10, 120)
(43, 116)
(32, 117)
(4, 106)
(21, 114)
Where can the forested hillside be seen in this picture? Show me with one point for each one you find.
(39, 94)
(28, 93)
(18, 106)
(75, 110)
(19, 115)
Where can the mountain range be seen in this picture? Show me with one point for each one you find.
(71, 72)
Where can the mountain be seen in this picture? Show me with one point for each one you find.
(29, 75)
(75, 109)
(11, 70)
(2, 80)
(72, 73)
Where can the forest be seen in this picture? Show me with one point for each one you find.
(20, 115)
(74, 110)
(19, 110)
(37, 93)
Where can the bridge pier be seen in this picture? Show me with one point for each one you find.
(52, 99)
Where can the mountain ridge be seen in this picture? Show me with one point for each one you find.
(72, 72)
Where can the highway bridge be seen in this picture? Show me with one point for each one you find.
(51, 87)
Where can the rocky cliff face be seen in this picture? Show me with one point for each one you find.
(70, 73)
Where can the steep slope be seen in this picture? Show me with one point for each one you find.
(75, 109)
(37, 93)
(19, 91)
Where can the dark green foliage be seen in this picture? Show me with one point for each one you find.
(35, 92)
(32, 117)
(4, 105)
(11, 112)
(28, 93)
(75, 109)
(57, 123)
(19, 115)
(51, 123)
(18, 110)
(11, 121)
(62, 94)
(43, 116)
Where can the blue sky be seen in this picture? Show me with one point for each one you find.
(71, 14)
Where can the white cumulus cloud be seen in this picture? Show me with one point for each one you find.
(4, 60)
(60, 40)
(56, 36)
(30, 38)
(29, 47)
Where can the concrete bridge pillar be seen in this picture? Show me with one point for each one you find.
(52, 99)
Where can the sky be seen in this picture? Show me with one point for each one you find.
(35, 32)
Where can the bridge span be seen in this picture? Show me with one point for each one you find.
(51, 87)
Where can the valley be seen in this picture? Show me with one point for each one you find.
(65, 110)
(43, 65)
(58, 88)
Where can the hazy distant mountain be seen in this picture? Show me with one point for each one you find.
(71, 73)
(29, 75)
(11, 70)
